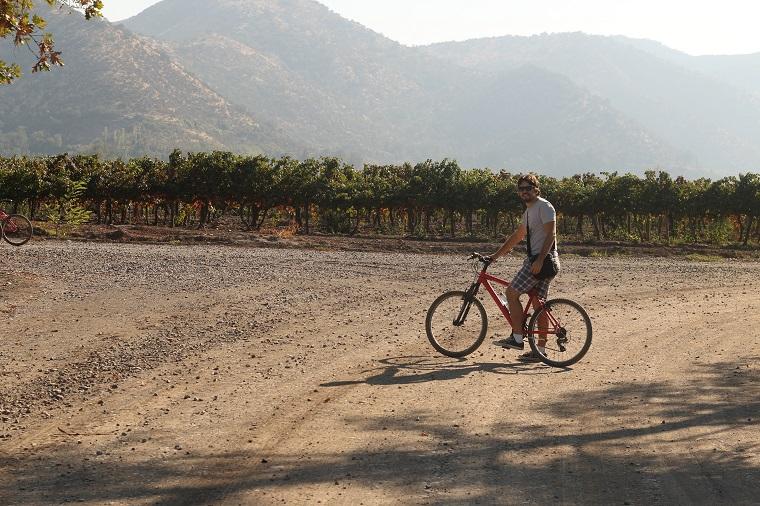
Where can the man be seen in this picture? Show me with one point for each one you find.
(540, 219)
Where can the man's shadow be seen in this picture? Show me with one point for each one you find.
(415, 369)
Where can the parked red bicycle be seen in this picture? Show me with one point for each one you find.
(16, 229)
(559, 331)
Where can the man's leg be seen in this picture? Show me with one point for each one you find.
(543, 327)
(542, 287)
(543, 321)
(515, 310)
(522, 282)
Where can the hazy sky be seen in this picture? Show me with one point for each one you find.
(695, 27)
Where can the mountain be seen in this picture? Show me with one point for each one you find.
(353, 92)
(293, 77)
(739, 70)
(120, 95)
(341, 87)
(558, 124)
(714, 122)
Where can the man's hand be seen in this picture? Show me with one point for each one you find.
(536, 267)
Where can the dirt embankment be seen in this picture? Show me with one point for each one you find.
(207, 374)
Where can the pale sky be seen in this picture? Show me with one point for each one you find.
(695, 27)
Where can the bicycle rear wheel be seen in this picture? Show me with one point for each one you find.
(568, 340)
(17, 229)
(452, 338)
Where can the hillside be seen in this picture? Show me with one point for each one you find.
(334, 83)
(716, 123)
(739, 70)
(529, 117)
(121, 95)
(338, 85)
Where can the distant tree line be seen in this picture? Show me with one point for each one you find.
(431, 198)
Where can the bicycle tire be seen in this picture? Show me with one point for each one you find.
(23, 232)
(438, 341)
(577, 331)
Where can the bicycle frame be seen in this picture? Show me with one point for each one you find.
(534, 300)
(10, 226)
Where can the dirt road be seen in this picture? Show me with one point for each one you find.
(136, 374)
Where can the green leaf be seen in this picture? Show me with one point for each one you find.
(8, 72)
(37, 20)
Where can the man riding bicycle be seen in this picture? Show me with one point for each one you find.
(539, 225)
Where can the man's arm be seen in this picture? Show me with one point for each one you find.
(513, 240)
(551, 236)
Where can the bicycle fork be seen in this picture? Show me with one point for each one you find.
(466, 304)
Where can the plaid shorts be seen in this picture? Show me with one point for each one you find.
(524, 280)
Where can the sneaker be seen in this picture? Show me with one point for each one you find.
(529, 357)
(510, 343)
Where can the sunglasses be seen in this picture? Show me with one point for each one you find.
(525, 188)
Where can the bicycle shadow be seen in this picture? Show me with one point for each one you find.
(408, 370)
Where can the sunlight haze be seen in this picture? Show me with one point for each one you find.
(696, 28)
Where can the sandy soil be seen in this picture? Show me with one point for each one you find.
(160, 374)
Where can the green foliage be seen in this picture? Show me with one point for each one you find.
(720, 232)
(66, 212)
(336, 221)
(698, 257)
(431, 198)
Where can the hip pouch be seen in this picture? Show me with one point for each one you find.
(550, 268)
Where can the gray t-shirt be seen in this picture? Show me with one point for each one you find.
(540, 213)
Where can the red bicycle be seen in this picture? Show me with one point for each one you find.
(16, 229)
(559, 331)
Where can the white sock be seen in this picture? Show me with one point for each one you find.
(518, 338)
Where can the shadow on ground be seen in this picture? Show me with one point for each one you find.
(693, 441)
(410, 370)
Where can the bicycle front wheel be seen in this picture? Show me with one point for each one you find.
(566, 327)
(451, 334)
(17, 229)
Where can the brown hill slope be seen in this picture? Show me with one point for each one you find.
(344, 89)
(120, 94)
(716, 123)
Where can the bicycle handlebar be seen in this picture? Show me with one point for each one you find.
(487, 260)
